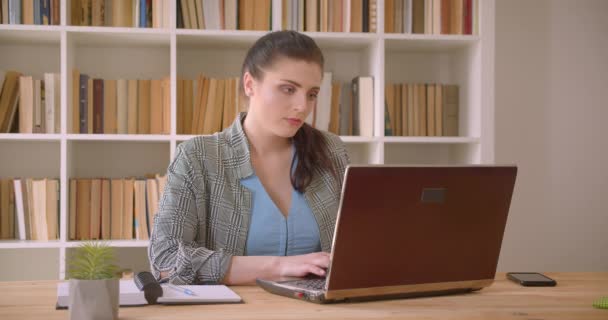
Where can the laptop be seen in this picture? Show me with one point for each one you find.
(410, 231)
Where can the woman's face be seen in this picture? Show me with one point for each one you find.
(285, 96)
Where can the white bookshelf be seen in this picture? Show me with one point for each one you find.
(113, 53)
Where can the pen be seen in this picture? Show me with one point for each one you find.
(184, 290)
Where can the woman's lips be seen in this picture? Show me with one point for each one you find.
(294, 121)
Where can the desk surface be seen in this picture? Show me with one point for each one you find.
(571, 299)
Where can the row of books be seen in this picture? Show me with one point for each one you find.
(29, 105)
(29, 209)
(40, 12)
(330, 15)
(123, 106)
(112, 209)
(120, 13)
(431, 16)
(224, 14)
(344, 108)
(421, 110)
(207, 105)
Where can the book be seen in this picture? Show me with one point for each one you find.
(39, 211)
(132, 106)
(98, 105)
(323, 108)
(345, 116)
(334, 119)
(19, 210)
(363, 91)
(83, 209)
(72, 213)
(4, 210)
(143, 122)
(122, 103)
(83, 103)
(139, 207)
(95, 210)
(9, 99)
(156, 107)
(450, 110)
(75, 100)
(128, 211)
(105, 209)
(52, 208)
(130, 295)
(110, 119)
(117, 207)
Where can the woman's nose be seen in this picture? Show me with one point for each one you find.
(301, 102)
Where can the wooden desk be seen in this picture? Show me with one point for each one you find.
(571, 299)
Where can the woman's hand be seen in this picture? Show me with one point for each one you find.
(300, 266)
(246, 269)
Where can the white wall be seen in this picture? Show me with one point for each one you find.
(551, 119)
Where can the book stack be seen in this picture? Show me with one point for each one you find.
(330, 15)
(40, 12)
(345, 109)
(207, 105)
(224, 14)
(120, 13)
(431, 16)
(29, 105)
(123, 106)
(29, 209)
(103, 208)
(421, 110)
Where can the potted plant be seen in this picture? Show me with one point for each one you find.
(94, 285)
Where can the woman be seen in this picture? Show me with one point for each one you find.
(259, 199)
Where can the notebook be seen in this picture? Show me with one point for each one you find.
(405, 231)
(130, 295)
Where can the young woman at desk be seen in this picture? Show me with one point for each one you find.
(260, 198)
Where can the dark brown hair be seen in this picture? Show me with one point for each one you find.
(312, 149)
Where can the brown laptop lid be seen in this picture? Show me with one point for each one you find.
(413, 225)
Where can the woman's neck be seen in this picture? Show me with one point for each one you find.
(261, 141)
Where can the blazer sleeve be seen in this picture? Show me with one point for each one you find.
(339, 155)
(175, 243)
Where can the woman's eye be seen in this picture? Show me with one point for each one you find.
(313, 95)
(288, 90)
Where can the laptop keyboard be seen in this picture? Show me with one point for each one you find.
(309, 284)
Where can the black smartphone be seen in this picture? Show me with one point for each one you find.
(531, 279)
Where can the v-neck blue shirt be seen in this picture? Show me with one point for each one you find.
(273, 234)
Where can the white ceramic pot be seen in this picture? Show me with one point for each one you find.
(94, 299)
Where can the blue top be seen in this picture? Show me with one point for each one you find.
(273, 234)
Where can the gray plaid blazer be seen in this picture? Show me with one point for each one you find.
(204, 213)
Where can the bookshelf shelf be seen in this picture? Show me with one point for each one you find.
(30, 137)
(228, 35)
(343, 41)
(33, 33)
(433, 140)
(119, 37)
(114, 243)
(25, 244)
(357, 139)
(425, 45)
(119, 137)
(113, 53)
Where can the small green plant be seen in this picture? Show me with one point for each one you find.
(93, 261)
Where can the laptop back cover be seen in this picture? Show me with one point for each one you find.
(403, 226)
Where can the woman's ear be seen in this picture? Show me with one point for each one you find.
(248, 84)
